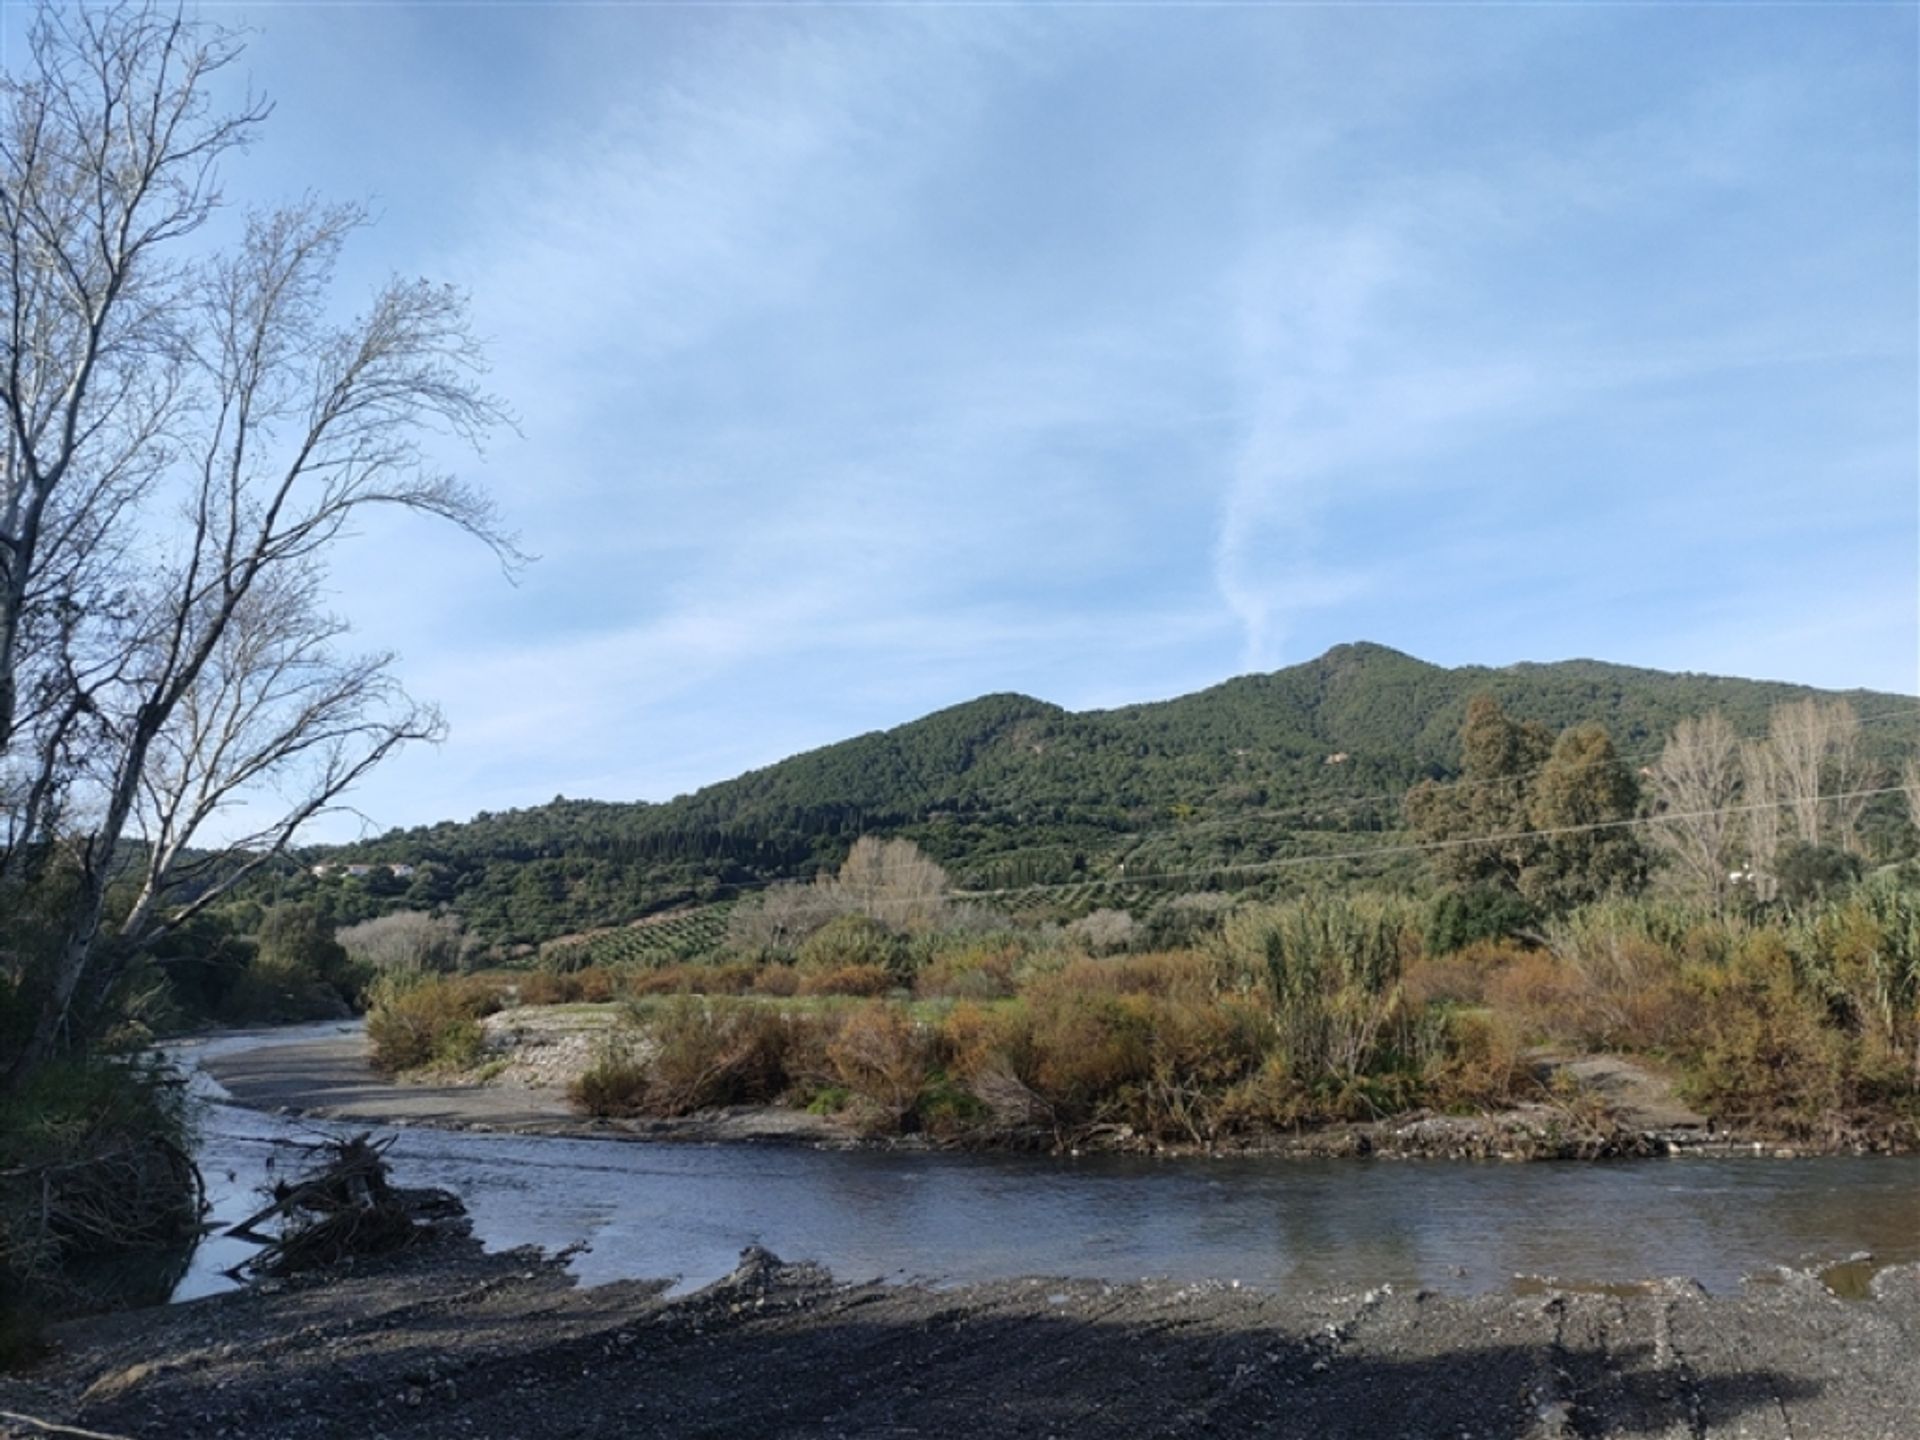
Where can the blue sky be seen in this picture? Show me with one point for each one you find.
(871, 359)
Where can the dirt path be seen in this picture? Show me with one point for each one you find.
(1642, 1098)
(450, 1343)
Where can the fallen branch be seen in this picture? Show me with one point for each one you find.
(342, 1206)
(51, 1427)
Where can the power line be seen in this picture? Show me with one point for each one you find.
(1423, 846)
(1350, 803)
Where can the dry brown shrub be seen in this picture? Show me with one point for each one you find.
(544, 987)
(809, 1070)
(1538, 994)
(616, 1085)
(780, 980)
(1162, 973)
(981, 972)
(593, 986)
(969, 1035)
(1144, 1044)
(1760, 1049)
(1461, 976)
(864, 980)
(1271, 1098)
(1086, 1047)
(884, 1058)
(708, 1053)
(1480, 1063)
(690, 979)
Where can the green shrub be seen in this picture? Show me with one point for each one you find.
(94, 1177)
(848, 941)
(1460, 918)
(615, 1085)
(1328, 969)
(418, 1020)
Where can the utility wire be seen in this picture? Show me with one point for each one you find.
(1338, 805)
(1424, 846)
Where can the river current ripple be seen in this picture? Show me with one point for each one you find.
(685, 1211)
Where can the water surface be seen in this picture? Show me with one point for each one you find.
(661, 1209)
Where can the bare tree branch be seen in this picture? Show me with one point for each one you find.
(182, 438)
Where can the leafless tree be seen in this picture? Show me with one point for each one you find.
(1848, 774)
(1816, 757)
(894, 882)
(1104, 931)
(184, 440)
(1695, 785)
(274, 715)
(407, 941)
(1760, 780)
(782, 918)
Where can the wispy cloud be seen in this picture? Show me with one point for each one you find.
(872, 359)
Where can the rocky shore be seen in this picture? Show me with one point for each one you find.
(445, 1341)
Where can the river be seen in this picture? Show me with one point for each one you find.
(682, 1210)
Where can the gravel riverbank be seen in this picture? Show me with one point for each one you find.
(448, 1342)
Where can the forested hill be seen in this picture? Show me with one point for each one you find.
(1010, 791)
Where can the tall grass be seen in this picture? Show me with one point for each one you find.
(1329, 970)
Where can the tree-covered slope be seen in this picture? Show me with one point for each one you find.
(1009, 791)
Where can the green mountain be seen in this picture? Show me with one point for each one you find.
(1009, 791)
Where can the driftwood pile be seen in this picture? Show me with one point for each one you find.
(342, 1205)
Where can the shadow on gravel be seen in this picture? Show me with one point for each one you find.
(721, 1370)
(1041, 1378)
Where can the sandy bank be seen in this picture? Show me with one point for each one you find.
(329, 1077)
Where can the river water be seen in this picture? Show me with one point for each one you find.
(648, 1210)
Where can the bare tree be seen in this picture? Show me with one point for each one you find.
(1760, 780)
(1817, 766)
(782, 918)
(185, 438)
(892, 881)
(1797, 736)
(406, 941)
(1695, 785)
(1848, 774)
(275, 716)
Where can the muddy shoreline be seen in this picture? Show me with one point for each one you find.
(330, 1078)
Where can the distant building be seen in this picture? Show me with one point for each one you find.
(360, 871)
